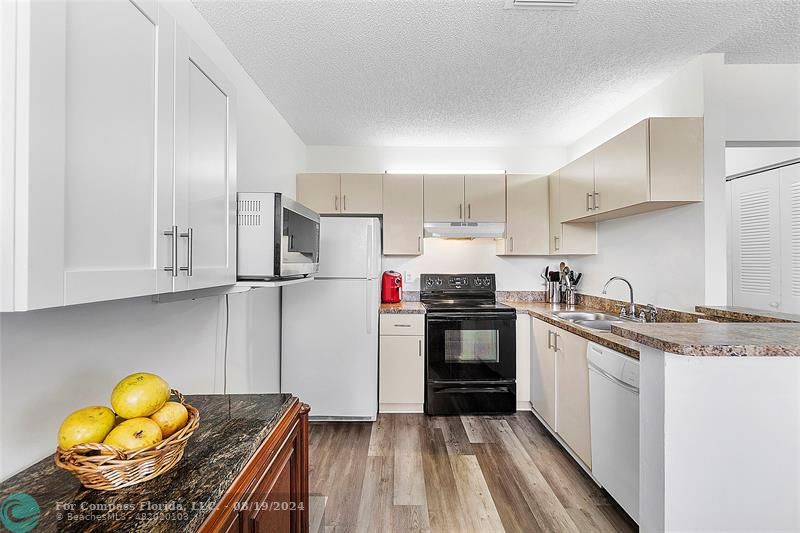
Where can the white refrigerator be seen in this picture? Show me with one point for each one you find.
(329, 326)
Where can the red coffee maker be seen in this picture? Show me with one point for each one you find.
(391, 287)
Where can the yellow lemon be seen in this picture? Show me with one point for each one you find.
(139, 394)
(90, 424)
(134, 434)
(170, 418)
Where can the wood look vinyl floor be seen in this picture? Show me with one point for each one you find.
(414, 473)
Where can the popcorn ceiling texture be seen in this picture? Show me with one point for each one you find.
(470, 73)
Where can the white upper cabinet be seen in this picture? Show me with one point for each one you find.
(205, 169)
(444, 197)
(527, 216)
(655, 164)
(402, 214)
(485, 198)
(95, 118)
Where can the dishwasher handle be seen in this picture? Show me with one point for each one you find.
(614, 379)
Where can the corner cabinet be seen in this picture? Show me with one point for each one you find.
(527, 216)
(334, 194)
(402, 214)
(402, 363)
(108, 189)
(271, 493)
(574, 238)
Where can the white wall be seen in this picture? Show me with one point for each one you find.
(58, 360)
(661, 253)
(744, 159)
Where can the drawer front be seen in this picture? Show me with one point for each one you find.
(399, 324)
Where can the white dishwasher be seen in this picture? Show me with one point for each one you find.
(614, 404)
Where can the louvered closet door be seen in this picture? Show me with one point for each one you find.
(755, 244)
(790, 238)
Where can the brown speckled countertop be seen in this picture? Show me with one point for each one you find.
(543, 311)
(232, 428)
(723, 339)
(733, 313)
(403, 308)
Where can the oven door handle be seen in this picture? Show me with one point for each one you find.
(475, 316)
(469, 390)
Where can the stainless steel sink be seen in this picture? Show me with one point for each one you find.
(596, 320)
(584, 316)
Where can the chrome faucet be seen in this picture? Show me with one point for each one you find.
(632, 311)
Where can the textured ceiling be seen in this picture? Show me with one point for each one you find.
(470, 73)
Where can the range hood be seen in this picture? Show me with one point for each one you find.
(465, 230)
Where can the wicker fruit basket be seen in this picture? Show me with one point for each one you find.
(104, 467)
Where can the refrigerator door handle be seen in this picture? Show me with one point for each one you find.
(368, 311)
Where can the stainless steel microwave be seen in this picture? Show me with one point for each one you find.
(278, 238)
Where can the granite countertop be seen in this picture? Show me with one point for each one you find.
(721, 339)
(543, 311)
(232, 428)
(403, 308)
(744, 314)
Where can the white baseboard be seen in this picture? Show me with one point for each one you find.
(401, 408)
(524, 406)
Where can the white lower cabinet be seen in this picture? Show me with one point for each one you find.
(122, 130)
(523, 362)
(402, 364)
(559, 386)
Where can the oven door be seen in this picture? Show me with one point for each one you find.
(298, 234)
(471, 346)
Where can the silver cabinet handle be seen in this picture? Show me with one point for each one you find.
(549, 339)
(555, 242)
(596, 201)
(469, 210)
(174, 251)
(336, 203)
(188, 235)
(402, 325)
(511, 241)
(460, 211)
(555, 341)
(344, 202)
(419, 243)
(588, 201)
(420, 347)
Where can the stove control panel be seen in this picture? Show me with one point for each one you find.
(473, 282)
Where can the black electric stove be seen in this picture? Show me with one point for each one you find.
(471, 346)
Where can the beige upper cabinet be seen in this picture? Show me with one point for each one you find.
(620, 170)
(362, 194)
(655, 164)
(331, 194)
(444, 197)
(402, 214)
(576, 187)
(572, 393)
(575, 238)
(527, 216)
(319, 192)
(485, 198)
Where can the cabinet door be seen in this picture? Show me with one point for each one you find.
(572, 418)
(576, 186)
(621, 170)
(205, 168)
(319, 192)
(98, 180)
(362, 194)
(527, 224)
(676, 159)
(402, 214)
(485, 197)
(543, 373)
(444, 198)
(270, 505)
(523, 360)
(402, 369)
(572, 238)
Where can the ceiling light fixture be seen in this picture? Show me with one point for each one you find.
(516, 4)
